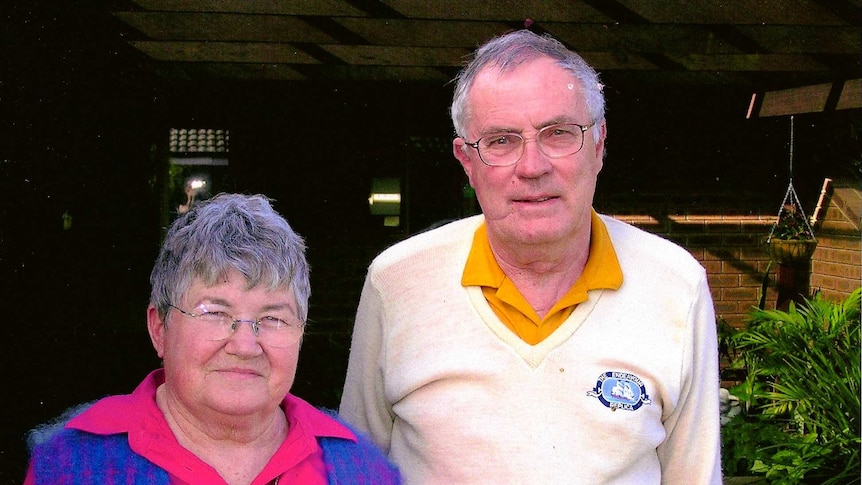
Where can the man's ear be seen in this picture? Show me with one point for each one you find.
(462, 153)
(156, 327)
(600, 144)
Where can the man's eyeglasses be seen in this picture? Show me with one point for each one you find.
(555, 141)
(272, 331)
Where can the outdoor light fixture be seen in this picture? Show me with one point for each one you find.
(385, 199)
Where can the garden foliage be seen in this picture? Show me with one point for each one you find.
(800, 395)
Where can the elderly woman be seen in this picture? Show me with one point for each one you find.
(227, 311)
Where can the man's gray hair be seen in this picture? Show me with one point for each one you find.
(509, 51)
(230, 232)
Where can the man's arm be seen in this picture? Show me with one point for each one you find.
(691, 452)
(363, 402)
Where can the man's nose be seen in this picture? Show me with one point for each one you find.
(533, 162)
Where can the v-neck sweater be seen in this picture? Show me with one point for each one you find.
(625, 391)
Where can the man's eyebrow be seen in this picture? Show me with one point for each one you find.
(558, 120)
(493, 130)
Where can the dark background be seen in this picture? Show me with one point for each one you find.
(84, 131)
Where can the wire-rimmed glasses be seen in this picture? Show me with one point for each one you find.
(272, 331)
(555, 141)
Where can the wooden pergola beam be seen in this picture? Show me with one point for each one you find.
(807, 99)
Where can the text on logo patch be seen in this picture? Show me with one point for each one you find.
(620, 390)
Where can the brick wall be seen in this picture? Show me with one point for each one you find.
(732, 249)
(836, 267)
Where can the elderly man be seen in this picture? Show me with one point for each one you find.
(539, 342)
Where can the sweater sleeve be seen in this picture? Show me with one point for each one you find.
(691, 452)
(363, 403)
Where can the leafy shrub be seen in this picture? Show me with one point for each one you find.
(801, 394)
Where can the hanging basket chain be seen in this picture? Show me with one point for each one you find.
(790, 197)
(791, 149)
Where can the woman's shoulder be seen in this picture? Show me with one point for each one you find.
(50, 430)
(357, 462)
(63, 454)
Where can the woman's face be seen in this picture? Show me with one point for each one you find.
(239, 376)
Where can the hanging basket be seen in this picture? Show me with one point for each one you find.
(791, 240)
(791, 251)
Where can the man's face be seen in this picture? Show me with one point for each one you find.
(539, 200)
(237, 376)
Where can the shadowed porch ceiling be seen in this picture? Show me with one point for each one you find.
(755, 44)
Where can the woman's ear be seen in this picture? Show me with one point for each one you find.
(157, 328)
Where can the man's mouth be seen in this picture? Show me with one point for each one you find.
(534, 200)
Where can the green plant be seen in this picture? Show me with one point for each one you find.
(800, 396)
(791, 225)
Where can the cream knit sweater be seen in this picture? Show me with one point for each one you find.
(624, 392)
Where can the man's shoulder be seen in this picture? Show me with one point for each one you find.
(635, 246)
(430, 244)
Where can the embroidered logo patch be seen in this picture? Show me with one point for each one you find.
(620, 390)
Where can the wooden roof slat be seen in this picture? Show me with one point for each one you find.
(206, 26)
(424, 33)
(376, 73)
(670, 39)
(740, 12)
(500, 10)
(810, 99)
(398, 56)
(745, 42)
(240, 52)
(851, 95)
(750, 62)
(232, 71)
(279, 7)
(806, 39)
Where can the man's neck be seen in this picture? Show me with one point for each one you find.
(543, 273)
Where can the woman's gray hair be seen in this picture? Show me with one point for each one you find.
(230, 232)
(509, 51)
